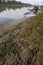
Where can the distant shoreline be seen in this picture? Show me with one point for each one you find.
(15, 4)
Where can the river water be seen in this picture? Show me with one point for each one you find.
(15, 15)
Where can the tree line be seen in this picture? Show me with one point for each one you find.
(7, 1)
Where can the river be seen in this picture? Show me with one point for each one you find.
(14, 15)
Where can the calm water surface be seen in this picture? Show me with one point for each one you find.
(12, 15)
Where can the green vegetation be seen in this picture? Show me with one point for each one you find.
(41, 8)
(13, 4)
(35, 9)
(23, 44)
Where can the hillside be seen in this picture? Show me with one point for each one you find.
(23, 44)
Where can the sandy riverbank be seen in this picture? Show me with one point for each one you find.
(9, 25)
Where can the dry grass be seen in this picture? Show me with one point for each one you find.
(23, 44)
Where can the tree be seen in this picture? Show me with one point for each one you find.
(35, 9)
(0, 0)
(3, 0)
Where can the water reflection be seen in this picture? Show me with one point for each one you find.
(4, 8)
(9, 14)
(1, 9)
